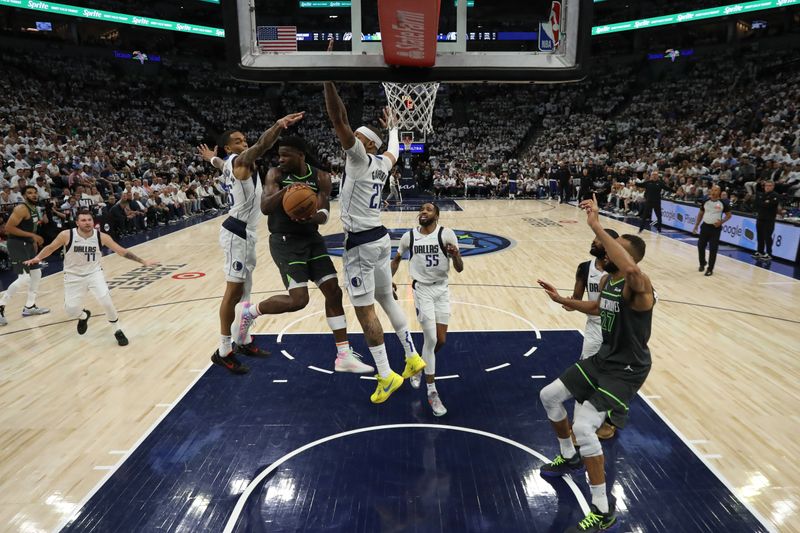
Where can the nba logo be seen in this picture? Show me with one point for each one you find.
(550, 31)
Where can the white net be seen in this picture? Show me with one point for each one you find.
(413, 104)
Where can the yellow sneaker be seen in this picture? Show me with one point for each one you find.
(386, 387)
(414, 364)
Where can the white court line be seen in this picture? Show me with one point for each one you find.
(318, 369)
(244, 496)
(279, 380)
(113, 469)
(532, 326)
(118, 452)
(526, 354)
(453, 376)
(287, 354)
(498, 367)
(539, 377)
(373, 378)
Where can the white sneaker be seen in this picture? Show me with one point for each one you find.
(352, 363)
(415, 380)
(436, 404)
(31, 311)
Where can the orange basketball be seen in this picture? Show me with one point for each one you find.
(300, 202)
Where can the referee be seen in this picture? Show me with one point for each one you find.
(713, 214)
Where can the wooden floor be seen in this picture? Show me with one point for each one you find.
(725, 352)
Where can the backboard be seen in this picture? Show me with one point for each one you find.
(477, 41)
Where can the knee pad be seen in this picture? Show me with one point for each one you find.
(552, 397)
(586, 438)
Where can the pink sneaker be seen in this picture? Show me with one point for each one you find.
(245, 322)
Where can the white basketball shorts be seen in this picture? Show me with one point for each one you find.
(239, 255)
(432, 302)
(592, 338)
(75, 288)
(367, 270)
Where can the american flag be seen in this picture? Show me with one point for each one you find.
(277, 38)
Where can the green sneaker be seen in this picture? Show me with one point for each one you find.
(561, 466)
(596, 521)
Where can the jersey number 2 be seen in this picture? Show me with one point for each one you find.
(373, 201)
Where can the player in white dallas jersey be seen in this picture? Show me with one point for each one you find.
(368, 249)
(237, 236)
(82, 270)
(587, 279)
(430, 248)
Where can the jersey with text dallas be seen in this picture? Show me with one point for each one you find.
(82, 254)
(591, 276)
(245, 195)
(361, 187)
(428, 261)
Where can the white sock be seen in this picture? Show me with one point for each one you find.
(115, 324)
(253, 311)
(381, 360)
(567, 448)
(83, 315)
(431, 387)
(599, 498)
(225, 345)
(33, 288)
(342, 349)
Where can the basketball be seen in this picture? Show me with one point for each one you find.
(300, 202)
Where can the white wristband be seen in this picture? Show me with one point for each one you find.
(221, 162)
(326, 213)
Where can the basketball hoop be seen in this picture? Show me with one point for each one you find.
(412, 104)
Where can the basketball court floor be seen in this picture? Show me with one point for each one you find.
(95, 437)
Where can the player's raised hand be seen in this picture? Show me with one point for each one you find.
(388, 120)
(592, 210)
(550, 290)
(207, 153)
(291, 119)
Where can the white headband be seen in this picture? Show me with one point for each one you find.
(371, 135)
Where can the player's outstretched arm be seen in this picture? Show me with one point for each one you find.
(59, 242)
(210, 155)
(392, 152)
(110, 243)
(589, 307)
(638, 289)
(338, 115)
(265, 142)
